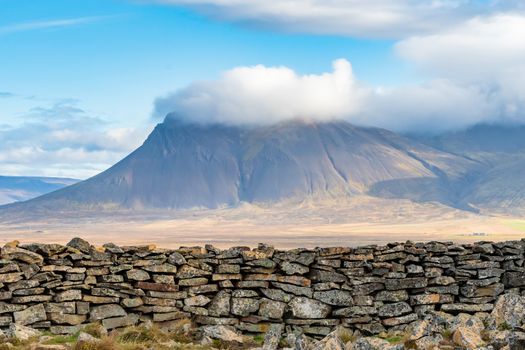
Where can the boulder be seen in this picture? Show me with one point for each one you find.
(467, 338)
(80, 244)
(23, 255)
(223, 333)
(220, 304)
(509, 309)
(21, 332)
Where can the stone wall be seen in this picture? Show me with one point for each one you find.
(370, 288)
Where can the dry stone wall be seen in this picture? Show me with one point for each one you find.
(371, 288)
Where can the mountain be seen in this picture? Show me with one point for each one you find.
(499, 185)
(188, 165)
(22, 188)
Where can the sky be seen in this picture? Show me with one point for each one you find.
(83, 82)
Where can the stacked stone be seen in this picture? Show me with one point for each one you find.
(371, 289)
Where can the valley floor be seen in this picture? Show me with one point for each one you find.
(360, 222)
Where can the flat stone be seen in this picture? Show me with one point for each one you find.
(271, 309)
(100, 300)
(30, 315)
(167, 295)
(8, 308)
(396, 321)
(121, 321)
(244, 306)
(406, 283)
(297, 290)
(229, 268)
(395, 309)
(68, 295)
(309, 308)
(469, 308)
(106, 311)
(291, 268)
(23, 255)
(187, 271)
(65, 307)
(160, 287)
(334, 297)
(137, 275)
(198, 300)
(11, 277)
(395, 296)
(60, 318)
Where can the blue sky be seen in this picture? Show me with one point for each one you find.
(79, 80)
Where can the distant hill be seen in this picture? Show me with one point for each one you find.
(499, 185)
(22, 188)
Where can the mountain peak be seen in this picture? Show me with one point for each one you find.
(185, 164)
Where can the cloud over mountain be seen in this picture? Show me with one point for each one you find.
(266, 95)
(263, 95)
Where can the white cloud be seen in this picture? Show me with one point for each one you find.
(64, 140)
(488, 52)
(49, 24)
(361, 18)
(267, 95)
(480, 48)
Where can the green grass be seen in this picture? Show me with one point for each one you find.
(62, 339)
(396, 339)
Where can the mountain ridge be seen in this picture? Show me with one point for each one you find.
(187, 165)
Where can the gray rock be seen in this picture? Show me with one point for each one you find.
(273, 336)
(334, 297)
(137, 275)
(80, 244)
(396, 309)
(220, 304)
(309, 308)
(223, 333)
(271, 309)
(244, 306)
(20, 332)
(406, 283)
(30, 315)
(509, 309)
(106, 311)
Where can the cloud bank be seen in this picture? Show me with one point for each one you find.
(267, 95)
(64, 140)
(361, 18)
(259, 94)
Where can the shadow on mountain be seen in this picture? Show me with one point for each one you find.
(424, 189)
